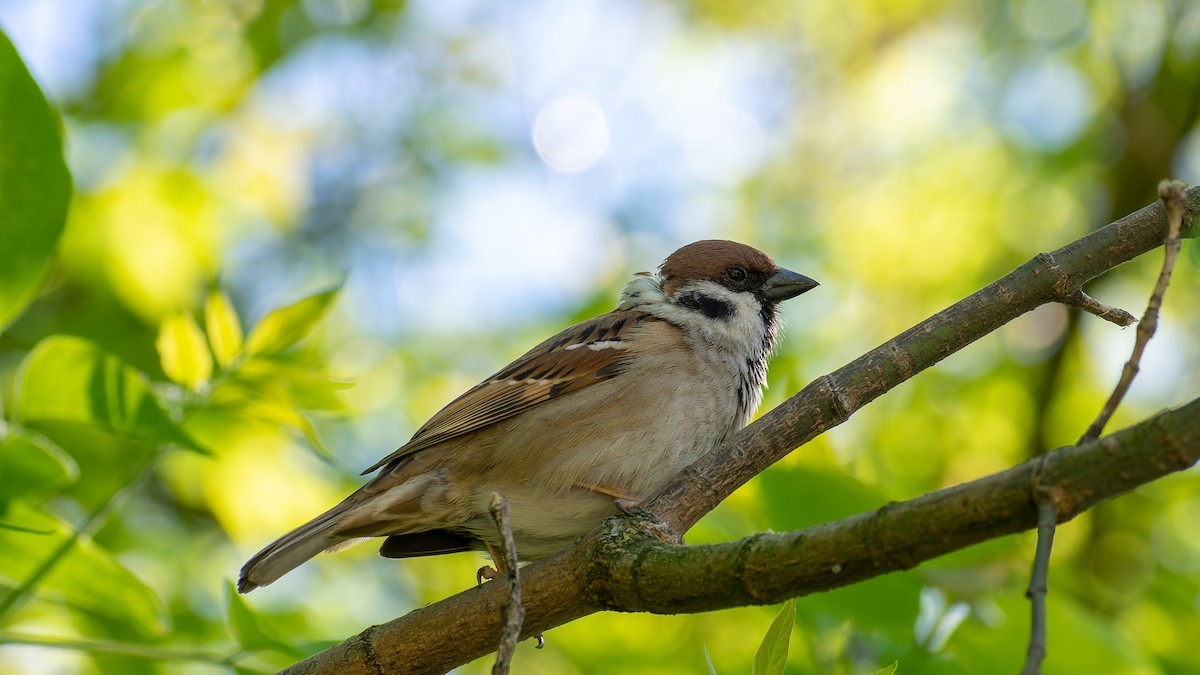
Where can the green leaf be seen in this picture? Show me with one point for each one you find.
(32, 465)
(183, 351)
(286, 326)
(251, 631)
(224, 330)
(35, 186)
(303, 386)
(274, 412)
(887, 670)
(68, 379)
(771, 657)
(87, 577)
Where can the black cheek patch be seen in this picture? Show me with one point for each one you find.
(713, 308)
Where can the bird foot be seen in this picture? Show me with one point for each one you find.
(486, 572)
(541, 640)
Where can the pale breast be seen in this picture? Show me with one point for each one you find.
(633, 432)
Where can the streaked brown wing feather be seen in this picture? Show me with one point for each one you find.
(581, 355)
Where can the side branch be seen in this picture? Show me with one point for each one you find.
(1175, 198)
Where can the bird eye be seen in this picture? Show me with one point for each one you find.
(736, 274)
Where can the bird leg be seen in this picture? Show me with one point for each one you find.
(487, 572)
(626, 501)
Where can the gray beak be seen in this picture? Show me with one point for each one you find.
(787, 284)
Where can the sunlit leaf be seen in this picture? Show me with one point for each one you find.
(771, 657)
(224, 329)
(286, 326)
(887, 670)
(304, 387)
(183, 351)
(35, 186)
(280, 413)
(32, 465)
(86, 577)
(67, 379)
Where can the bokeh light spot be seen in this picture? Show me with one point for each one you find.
(571, 134)
(1047, 104)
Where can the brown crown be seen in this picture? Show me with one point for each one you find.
(709, 259)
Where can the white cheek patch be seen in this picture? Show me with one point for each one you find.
(743, 332)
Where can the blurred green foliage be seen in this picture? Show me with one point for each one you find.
(183, 376)
(34, 185)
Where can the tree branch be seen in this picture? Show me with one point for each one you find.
(586, 577)
(764, 569)
(626, 571)
(830, 400)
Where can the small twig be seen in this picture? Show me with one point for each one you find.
(513, 612)
(1038, 578)
(1091, 305)
(1172, 193)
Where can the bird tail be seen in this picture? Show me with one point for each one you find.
(287, 552)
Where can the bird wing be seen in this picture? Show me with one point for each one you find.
(579, 356)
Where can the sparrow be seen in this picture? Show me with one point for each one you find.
(583, 425)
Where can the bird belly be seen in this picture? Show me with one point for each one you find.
(549, 480)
